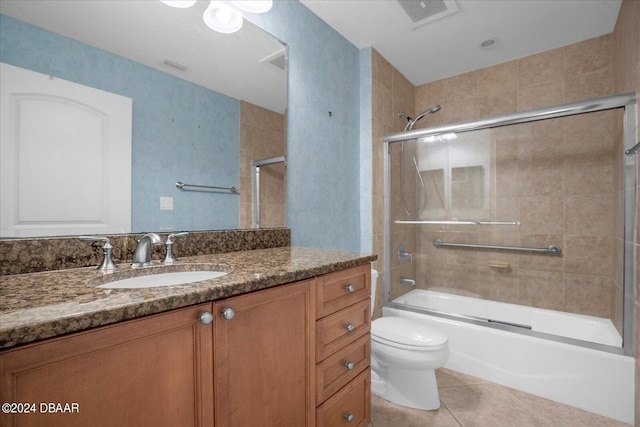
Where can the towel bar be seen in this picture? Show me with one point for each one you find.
(181, 185)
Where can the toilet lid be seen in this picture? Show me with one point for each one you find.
(407, 332)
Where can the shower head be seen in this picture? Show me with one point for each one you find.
(433, 109)
(411, 122)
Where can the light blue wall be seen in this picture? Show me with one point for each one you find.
(323, 164)
(165, 109)
(366, 153)
(328, 194)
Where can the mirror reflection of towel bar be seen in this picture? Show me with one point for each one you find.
(552, 250)
(181, 185)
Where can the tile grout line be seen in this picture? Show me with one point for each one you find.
(442, 405)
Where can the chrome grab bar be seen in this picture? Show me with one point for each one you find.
(552, 250)
(181, 185)
(459, 222)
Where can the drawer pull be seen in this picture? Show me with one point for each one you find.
(349, 327)
(349, 288)
(349, 417)
(349, 365)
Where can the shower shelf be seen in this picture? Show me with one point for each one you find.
(459, 222)
(552, 250)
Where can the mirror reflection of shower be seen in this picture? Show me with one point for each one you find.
(409, 126)
(255, 167)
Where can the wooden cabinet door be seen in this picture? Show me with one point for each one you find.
(263, 355)
(152, 371)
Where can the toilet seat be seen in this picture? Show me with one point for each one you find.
(412, 348)
(406, 333)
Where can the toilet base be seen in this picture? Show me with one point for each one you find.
(409, 388)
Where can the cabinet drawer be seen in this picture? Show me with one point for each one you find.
(337, 370)
(339, 329)
(338, 290)
(352, 402)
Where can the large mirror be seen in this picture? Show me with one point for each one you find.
(197, 95)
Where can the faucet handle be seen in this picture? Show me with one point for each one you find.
(169, 258)
(107, 263)
(173, 235)
(404, 254)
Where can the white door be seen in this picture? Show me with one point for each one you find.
(65, 157)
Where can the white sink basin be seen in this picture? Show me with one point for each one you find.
(162, 279)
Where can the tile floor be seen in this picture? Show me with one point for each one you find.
(471, 402)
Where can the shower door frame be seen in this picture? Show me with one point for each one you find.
(627, 101)
(255, 182)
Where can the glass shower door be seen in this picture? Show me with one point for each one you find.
(519, 224)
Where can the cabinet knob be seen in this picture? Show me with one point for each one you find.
(349, 417)
(228, 313)
(205, 317)
(349, 327)
(349, 365)
(349, 287)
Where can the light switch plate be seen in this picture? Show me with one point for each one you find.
(166, 203)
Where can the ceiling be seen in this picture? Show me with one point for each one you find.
(451, 45)
(150, 32)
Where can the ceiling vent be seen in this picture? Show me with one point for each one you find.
(422, 12)
(176, 66)
(277, 60)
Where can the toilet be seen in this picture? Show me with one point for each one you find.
(404, 356)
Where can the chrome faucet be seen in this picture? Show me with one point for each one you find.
(107, 263)
(142, 254)
(407, 281)
(169, 258)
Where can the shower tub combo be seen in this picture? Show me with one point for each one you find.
(587, 378)
(583, 360)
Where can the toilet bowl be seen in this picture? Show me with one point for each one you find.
(404, 356)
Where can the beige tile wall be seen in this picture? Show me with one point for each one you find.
(391, 93)
(262, 135)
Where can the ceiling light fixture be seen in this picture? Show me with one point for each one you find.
(222, 17)
(253, 6)
(225, 16)
(181, 4)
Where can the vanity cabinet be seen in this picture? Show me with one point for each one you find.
(343, 348)
(253, 368)
(151, 371)
(292, 355)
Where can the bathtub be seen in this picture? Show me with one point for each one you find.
(594, 380)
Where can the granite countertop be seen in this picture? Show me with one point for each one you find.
(47, 304)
